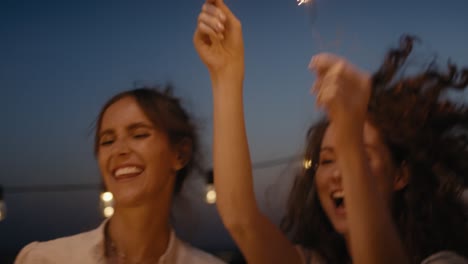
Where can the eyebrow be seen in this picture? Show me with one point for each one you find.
(139, 125)
(132, 126)
(107, 131)
(331, 149)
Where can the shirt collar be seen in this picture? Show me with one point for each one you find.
(98, 247)
(97, 242)
(170, 255)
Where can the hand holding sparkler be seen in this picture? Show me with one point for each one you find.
(341, 88)
(218, 41)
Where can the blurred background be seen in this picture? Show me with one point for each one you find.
(61, 60)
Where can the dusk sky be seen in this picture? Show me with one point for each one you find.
(61, 60)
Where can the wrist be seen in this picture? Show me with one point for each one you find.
(226, 77)
(349, 130)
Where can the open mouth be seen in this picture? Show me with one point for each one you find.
(338, 199)
(339, 202)
(127, 172)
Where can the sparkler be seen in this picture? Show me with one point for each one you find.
(300, 2)
(322, 45)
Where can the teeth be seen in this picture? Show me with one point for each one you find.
(338, 194)
(127, 170)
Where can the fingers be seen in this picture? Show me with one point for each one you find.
(328, 83)
(329, 87)
(206, 30)
(322, 62)
(212, 28)
(212, 10)
(327, 75)
(340, 87)
(223, 7)
(230, 18)
(211, 21)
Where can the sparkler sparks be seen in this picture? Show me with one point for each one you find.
(300, 2)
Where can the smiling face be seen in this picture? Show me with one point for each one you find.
(328, 175)
(136, 160)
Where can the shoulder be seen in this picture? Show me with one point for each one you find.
(195, 255)
(63, 249)
(445, 257)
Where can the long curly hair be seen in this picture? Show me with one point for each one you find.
(425, 131)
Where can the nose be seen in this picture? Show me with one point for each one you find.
(120, 147)
(336, 174)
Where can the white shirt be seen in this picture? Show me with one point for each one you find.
(89, 248)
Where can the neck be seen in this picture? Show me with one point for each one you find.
(140, 233)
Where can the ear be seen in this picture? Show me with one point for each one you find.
(402, 177)
(183, 153)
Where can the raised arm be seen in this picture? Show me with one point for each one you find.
(218, 41)
(344, 92)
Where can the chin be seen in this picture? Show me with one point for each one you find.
(341, 227)
(123, 199)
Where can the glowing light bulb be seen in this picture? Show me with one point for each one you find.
(107, 197)
(107, 204)
(108, 211)
(210, 196)
(307, 163)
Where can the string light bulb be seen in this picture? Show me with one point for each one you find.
(307, 164)
(2, 205)
(210, 192)
(106, 202)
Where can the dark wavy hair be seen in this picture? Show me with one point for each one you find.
(166, 113)
(424, 130)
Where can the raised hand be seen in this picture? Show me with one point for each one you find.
(341, 88)
(218, 40)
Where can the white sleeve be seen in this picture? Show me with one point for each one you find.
(30, 255)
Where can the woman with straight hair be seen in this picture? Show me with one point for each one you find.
(146, 145)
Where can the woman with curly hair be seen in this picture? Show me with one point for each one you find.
(426, 138)
(387, 165)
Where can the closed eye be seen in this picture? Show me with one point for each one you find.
(106, 142)
(326, 161)
(141, 136)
